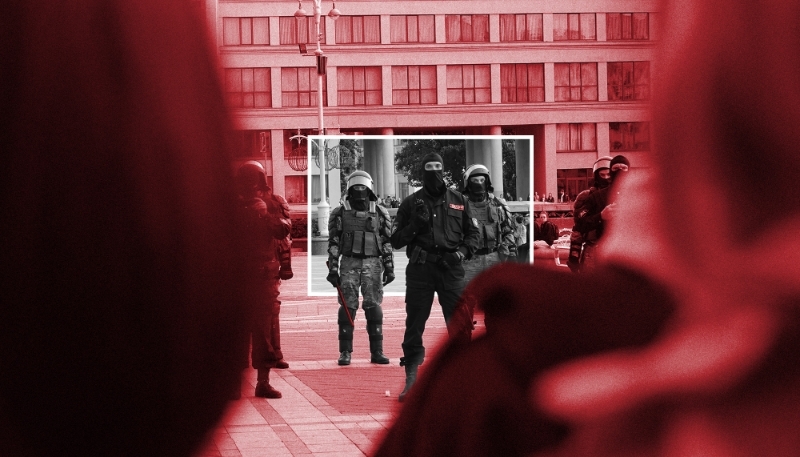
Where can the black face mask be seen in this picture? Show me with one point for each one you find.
(477, 188)
(359, 198)
(433, 182)
(601, 183)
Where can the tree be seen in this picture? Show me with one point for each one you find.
(351, 158)
(409, 160)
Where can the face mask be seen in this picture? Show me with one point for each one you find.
(359, 198)
(433, 182)
(477, 188)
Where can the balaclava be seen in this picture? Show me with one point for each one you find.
(433, 180)
(616, 160)
(358, 199)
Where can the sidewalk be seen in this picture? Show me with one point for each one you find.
(326, 410)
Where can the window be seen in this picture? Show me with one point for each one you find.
(413, 29)
(358, 29)
(628, 81)
(359, 86)
(629, 136)
(576, 137)
(574, 181)
(295, 30)
(296, 189)
(248, 87)
(299, 87)
(575, 81)
(414, 85)
(462, 28)
(521, 27)
(251, 143)
(521, 83)
(245, 30)
(627, 26)
(573, 26)
(468, 84)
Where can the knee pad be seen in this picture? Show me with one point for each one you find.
(342, 317)
(374, 314)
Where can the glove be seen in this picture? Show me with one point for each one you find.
(388, 276)
(451, 259)
(421, 218)
(258, 205)
(286, 273)
(333, 278)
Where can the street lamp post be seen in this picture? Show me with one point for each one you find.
(323, 209)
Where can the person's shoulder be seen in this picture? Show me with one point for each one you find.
(381, 210)
(337, 211)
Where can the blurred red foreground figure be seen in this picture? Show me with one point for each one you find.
(120, 329)
(686, 342)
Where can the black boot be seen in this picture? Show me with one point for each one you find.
(345, 336)
(344, 358)
(375, 331)
(411, 377)
(263, 389)
(275, 335)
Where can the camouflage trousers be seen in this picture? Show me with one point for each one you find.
(362, 276)
(461, 325)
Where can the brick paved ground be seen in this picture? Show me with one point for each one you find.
(326, 410)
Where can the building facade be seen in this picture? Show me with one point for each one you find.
(574, 74)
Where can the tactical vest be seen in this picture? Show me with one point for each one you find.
(360, 232)
(489, 223)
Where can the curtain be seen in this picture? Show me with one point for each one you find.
(562, 137)
(371, 29)
(534, 27)
(230, 31)
(613, 26)
(588, 81)
(452, 28)
(398, 29)
(560, 27)
(561, 81)
(508, 83)
(641, 77)
(508, 25)
(480, 27)
(260, 30)
(588, 27)
(427, 29)
(641, 29)
(588, 137)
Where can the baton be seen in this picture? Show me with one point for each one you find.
(341, 297)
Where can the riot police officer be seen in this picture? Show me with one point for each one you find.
(437, 227)
(496, 242)
(360, 257)
(263, 224)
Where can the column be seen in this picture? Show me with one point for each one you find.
(494, 151)
(387, 185)
(524, 171)
(371, 163)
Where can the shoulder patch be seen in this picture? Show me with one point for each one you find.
(475, 222)
(458, 207)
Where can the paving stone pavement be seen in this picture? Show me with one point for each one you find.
(326, 409)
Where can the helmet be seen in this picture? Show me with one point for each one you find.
(476, 170)
(602, 162)
(250, 176)
(360, 177)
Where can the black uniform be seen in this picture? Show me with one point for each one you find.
(450, 228)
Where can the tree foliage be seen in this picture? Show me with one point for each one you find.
(351, 158)
(409, 160)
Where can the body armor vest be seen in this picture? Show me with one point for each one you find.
(488, 220)
(360, 232)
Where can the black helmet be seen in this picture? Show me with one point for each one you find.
(251, 176)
